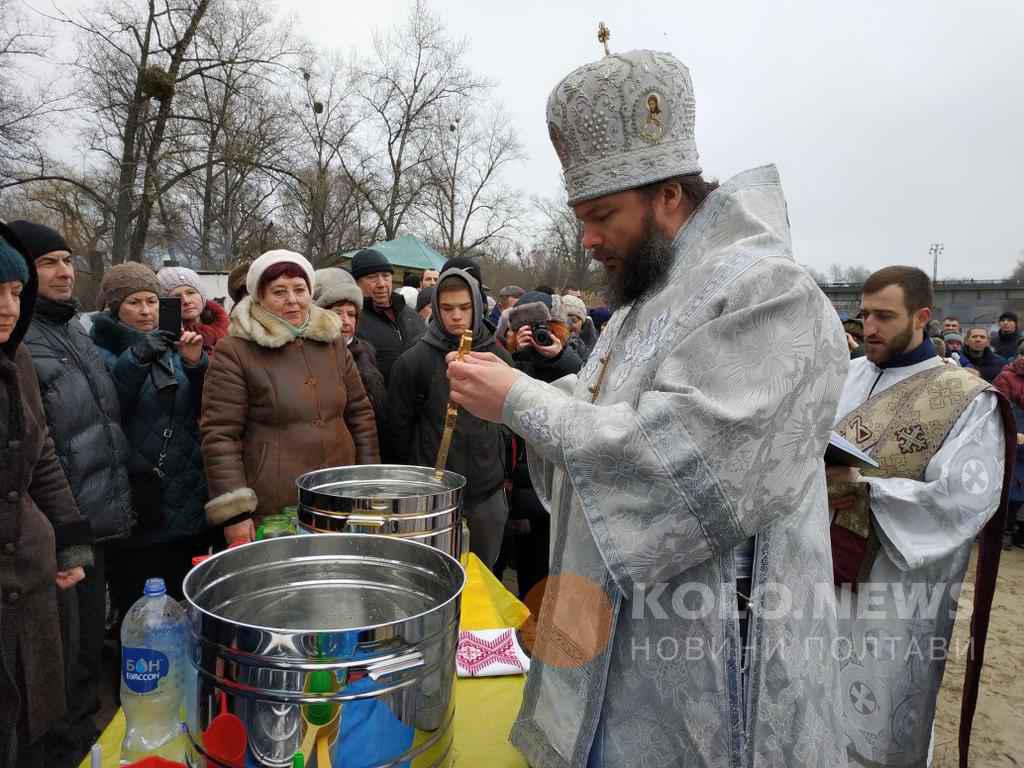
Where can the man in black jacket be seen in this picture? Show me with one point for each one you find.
(418, 401)
(83, 416)
(978, 354)
(387, 322)
(1004, 342)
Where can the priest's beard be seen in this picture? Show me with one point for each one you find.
(879, 353)
(643, 268)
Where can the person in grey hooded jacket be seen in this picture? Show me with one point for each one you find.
(418, 399)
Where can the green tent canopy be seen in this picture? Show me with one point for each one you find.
(407, 253)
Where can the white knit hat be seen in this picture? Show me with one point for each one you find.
(573, 305)
(269, 259)
(175, 277)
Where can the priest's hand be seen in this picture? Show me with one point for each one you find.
(480, 383)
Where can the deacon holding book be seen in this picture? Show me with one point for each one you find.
(902, 533)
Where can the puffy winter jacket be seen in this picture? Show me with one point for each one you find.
(145, 414)
(390, 338)
(418, 401)
(84, 417)
(278, 406)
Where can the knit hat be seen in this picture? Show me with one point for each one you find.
(268, 259)
(370, 262)
(12, 264)
(175, 277)
(122, 280)
(236, 281)
(952, 336)
(38, 239)
(574, 306)
(426, 297)
(10, 245)
(333, 286)
(1009, 316)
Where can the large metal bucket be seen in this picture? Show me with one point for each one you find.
(387, 499)
(364, 625)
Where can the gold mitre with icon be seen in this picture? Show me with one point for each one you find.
(623, 121)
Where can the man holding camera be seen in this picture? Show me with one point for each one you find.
(418, 401)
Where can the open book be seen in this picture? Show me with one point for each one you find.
(841, 452)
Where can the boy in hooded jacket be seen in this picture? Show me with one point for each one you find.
(418, 400)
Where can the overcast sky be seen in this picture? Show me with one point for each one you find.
(894, 124)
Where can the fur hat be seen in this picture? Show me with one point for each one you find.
(122, 280)
(236, 281)
(268, 259)
(335, 285)
(175, 277)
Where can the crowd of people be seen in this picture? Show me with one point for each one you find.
(631, 457)
(173, 445)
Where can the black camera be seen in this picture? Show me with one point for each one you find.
(542, 334)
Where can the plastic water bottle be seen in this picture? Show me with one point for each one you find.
(154, 639)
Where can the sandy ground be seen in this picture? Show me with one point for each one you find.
(998, 736)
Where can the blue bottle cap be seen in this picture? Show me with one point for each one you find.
(155, 588)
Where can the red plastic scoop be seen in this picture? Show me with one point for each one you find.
(226, 740)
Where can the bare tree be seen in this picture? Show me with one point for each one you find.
(565, 260)
(415, 71)
(239, 126)
(466, 202)
(22, 110)
(322, 208)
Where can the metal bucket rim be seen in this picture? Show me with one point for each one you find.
(452, 481)
(322, 536)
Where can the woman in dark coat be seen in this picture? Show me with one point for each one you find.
(160, 385)
(44, 540)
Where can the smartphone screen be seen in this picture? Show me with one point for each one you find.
(170, 315)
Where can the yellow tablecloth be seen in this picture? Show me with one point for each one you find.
(484, 707)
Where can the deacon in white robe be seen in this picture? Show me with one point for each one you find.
(897, 625)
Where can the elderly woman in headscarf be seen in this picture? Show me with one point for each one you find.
(199, 313)
(44, 540)
(336, 290)
(284, 397)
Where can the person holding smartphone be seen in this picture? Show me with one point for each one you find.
(159, 379)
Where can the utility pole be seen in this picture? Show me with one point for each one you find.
(934, 251)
